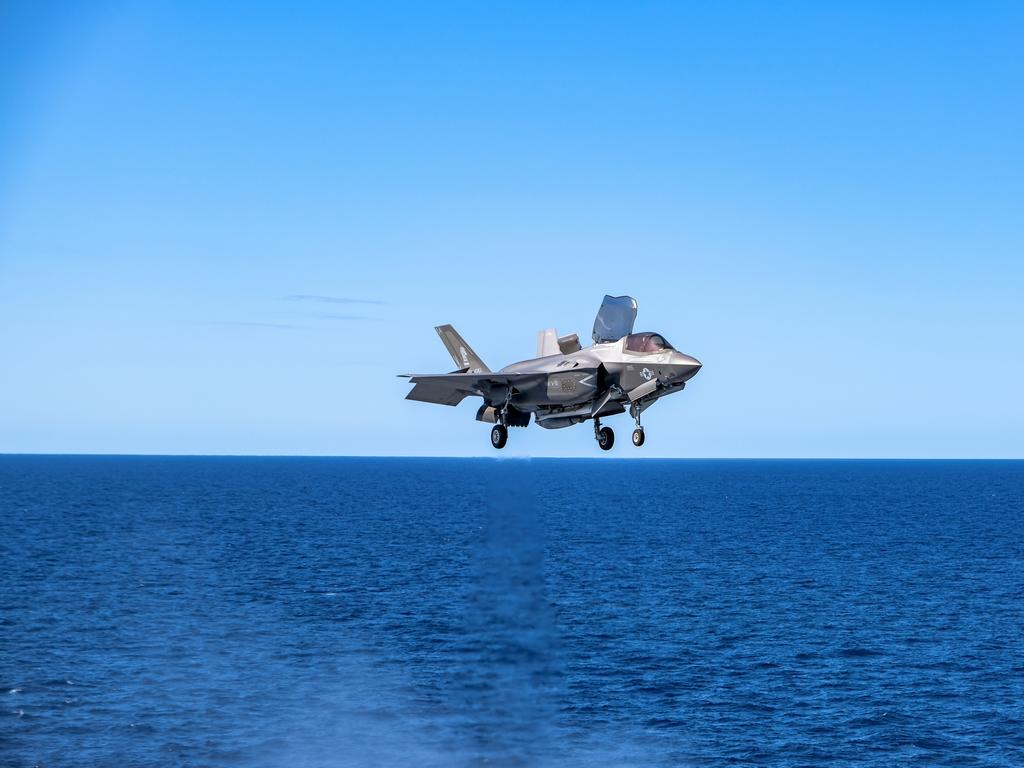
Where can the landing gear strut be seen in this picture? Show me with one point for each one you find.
(638, 433)
(604, 436)
(499, 432)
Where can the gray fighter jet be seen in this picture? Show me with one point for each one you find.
(565, 384)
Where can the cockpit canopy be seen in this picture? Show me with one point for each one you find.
(647, 343)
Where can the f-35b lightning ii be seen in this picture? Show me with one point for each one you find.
(566, 384)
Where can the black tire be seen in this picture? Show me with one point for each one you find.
(638, 437)
(605, 438)
(499, 436)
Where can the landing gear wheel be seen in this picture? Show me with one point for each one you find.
(499, 436)
(605, 438)
(638, 437)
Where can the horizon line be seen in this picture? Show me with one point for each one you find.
(6, 454)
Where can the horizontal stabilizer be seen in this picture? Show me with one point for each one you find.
(435, 392)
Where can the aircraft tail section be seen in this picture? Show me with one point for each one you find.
(465, 358)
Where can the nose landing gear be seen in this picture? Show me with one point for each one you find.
(638, 433)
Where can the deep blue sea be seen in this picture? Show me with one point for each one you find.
(470, 612)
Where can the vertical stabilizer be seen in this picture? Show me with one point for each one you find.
(547, 343)
(465, 358)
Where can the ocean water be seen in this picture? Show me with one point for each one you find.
(458, 612)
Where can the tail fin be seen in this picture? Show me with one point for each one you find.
(547, 342)
(465, 358)
(550, 343)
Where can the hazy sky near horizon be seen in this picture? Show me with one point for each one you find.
(224, 229)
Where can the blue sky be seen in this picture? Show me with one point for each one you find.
(822, 202)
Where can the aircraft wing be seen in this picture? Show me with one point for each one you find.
(451, 388)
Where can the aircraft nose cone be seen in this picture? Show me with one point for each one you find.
(688, 366)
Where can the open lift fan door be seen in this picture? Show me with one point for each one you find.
(615, 318)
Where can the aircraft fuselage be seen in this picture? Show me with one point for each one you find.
(580, 378)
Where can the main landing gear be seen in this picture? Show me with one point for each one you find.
(499, 432)
(604, 436)
(638, 433)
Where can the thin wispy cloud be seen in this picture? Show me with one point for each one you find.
(317, 298)
(332, 316)
(253, 324)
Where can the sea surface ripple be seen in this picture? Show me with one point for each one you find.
(251, 612)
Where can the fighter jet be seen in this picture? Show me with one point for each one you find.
(565, 384)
